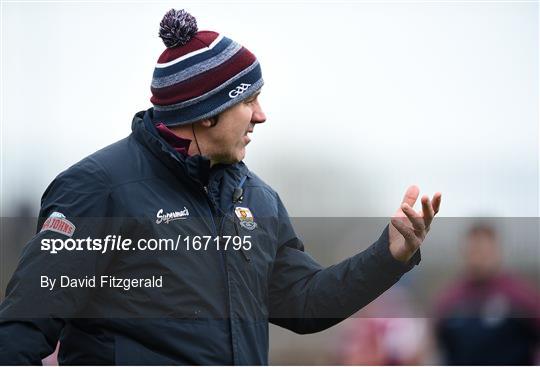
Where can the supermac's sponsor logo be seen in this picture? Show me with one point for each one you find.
(171, 216)
(239, 90)
(58, 223)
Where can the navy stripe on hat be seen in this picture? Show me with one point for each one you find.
(163, 72)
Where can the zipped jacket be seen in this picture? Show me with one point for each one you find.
(216, 298)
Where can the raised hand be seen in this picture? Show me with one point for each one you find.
(409, 228)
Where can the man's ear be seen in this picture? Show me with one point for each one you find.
(206, 123)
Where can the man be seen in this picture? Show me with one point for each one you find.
(231, 261)
(488, 317)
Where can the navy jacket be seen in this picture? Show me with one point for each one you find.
(214, 305)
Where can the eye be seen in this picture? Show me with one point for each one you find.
(251, 100)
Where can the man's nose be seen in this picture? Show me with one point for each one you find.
(258, 116)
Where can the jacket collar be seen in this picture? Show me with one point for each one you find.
(197, 167)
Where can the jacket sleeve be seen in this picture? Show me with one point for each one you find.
(305, 298)
(31, 316)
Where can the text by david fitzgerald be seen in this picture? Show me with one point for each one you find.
(104, 281)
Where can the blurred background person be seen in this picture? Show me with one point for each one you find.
(386, 332)
(487, 316)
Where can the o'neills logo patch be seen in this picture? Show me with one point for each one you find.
(169, 217)
(58, 223)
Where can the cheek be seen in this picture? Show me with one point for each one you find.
(233, 139)
(240, 131)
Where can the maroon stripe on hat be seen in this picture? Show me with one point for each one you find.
(200, 40)
(204, 82)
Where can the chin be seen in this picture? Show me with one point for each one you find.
(241, 155)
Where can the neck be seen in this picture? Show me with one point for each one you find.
(185, 132)
(188, 132)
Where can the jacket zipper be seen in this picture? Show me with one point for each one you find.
(237, 230)
(213, 208)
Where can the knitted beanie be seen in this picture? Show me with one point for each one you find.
(201, 73)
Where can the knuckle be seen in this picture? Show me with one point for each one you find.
(410, 235)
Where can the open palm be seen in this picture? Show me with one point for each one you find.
(409, 228)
